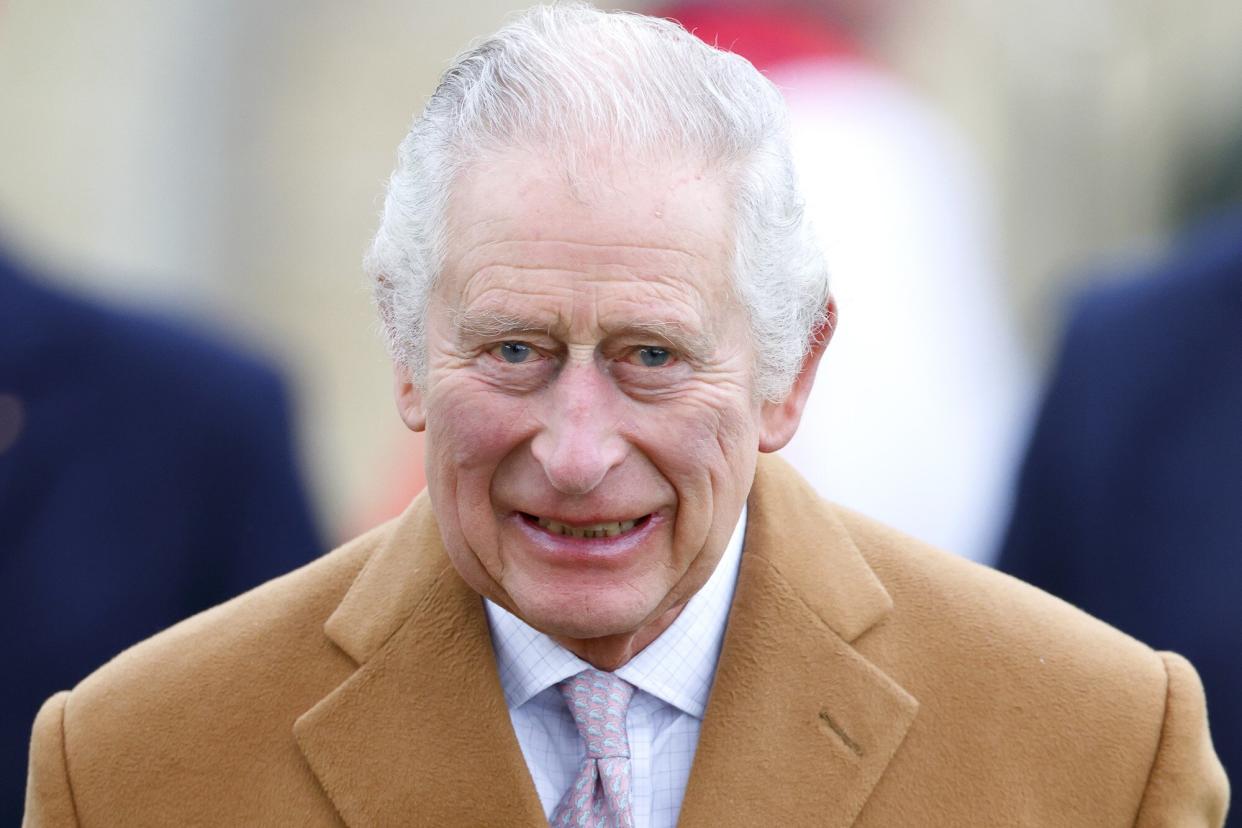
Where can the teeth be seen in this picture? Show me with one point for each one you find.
(595, 530)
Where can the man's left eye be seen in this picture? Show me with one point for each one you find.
(514, 352)
(651, 357)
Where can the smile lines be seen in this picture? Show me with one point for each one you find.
(592, 530)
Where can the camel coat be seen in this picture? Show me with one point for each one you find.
(865, 680)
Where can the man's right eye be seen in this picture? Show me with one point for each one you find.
(514, 352)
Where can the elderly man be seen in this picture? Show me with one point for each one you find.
(603, 304)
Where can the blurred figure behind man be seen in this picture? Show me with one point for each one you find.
(145, 475)
(1130, 498)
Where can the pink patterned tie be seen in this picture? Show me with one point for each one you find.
(600, 796)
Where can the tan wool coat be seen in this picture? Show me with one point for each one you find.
(865, 680)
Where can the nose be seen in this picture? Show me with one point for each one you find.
(580, 441)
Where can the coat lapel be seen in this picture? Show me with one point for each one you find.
(419, 734)
(799, 727)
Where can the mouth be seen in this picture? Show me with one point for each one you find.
(606, 529)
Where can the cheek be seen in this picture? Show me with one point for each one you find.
(470, 430)
(470, 433)
(701, 438)
(706, 450)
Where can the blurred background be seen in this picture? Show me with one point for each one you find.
(972, 165)
(227, 160)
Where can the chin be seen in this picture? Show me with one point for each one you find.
(586, 616)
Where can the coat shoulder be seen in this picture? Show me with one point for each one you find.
(1028, 694)
(1071, 717)
(988, 615)
(214, 697)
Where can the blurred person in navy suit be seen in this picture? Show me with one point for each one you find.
(1130, 498)
(145, 475)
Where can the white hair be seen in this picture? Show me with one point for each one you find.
(562, 78)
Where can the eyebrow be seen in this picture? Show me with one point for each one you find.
(478, 323)
(687, 343)
(486, 324)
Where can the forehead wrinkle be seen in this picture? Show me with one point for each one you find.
(661, 305)
(554, 245)
(585, 261)
(506, 282)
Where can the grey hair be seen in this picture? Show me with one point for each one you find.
(561, 78)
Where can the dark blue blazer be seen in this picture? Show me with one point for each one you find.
(145, 475)
(1129, 503)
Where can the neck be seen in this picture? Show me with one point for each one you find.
(611, 652)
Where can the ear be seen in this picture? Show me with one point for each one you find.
(779, 420)
(409, 398)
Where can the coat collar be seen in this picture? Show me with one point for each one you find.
(792, 697)
(420, 734)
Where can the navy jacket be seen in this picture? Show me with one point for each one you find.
(1129, 503)
(145, 474)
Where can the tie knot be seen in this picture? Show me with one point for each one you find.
(598, 701)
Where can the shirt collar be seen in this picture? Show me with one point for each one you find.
(678, 667)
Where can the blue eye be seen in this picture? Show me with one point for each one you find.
(514, 352)
(654, 357)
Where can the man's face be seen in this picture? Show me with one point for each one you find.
(592, 430)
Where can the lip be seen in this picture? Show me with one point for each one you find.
(567, 550)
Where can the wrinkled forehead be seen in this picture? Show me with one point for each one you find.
(521, 211)
(523, 195)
